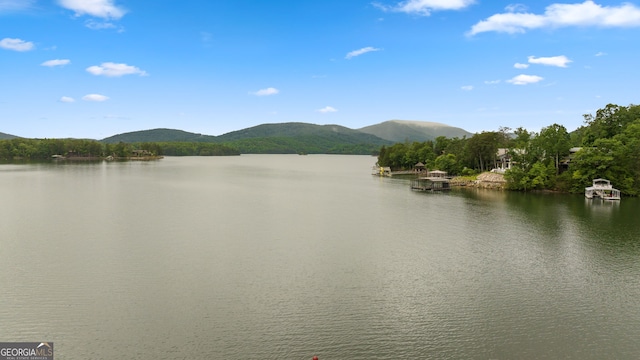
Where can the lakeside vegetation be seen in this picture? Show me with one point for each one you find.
(42, 149)
(608, 142)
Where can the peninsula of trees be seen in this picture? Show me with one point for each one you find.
(606, 146)
(79, 149)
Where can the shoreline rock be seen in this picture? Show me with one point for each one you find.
(485, 180)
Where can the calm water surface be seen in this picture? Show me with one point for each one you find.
(287, 256)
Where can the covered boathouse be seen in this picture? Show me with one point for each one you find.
(434, 181)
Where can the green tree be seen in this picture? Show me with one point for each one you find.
(555, 143)
(608, 122)
(540, 176)
(448, 163)
(484, 147)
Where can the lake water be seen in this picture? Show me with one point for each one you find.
(287, 257)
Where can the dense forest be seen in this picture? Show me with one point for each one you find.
(41, 149)
(284, 138)
(301, 145)
(607, 146)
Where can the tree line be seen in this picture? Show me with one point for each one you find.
(39, 149)
(457, 156)
(607, 146)
(42, 149)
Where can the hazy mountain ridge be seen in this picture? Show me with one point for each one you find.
(4, 136)
(401, 130)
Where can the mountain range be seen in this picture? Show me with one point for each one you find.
(297, 137)
(391, 131)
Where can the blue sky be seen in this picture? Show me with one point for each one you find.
(95, 68)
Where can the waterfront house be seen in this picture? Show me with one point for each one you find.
(504, 159)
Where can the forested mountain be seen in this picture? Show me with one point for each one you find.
(401, 130)
(283, 138)
(4, 136)
(296, 137)
(158, 135)
(303, 130)
(302, 138)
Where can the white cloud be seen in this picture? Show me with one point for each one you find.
(100, 25)
(425, 7)
(67, 99)
(516, 8)
(359, 52)
(525, 79)
(520, 66)
(601, 53)
(467, 87)
(16, 44)
(559, 61)
(56, 62)
(115, 70)
(327, 109)
(105, 9)
(492, 82)
(15, 5)
(95, 97)
(587, 13)
(265, 92)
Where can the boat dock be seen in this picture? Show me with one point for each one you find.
(602, 189)
(386, 171)
(430, 184)
(434, 181)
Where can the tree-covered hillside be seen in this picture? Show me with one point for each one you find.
(301, 145)
(158, 135)
(291, 138)
(303, 130)
(286, 138)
